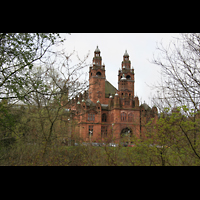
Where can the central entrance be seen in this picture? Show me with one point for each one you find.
(125, 136)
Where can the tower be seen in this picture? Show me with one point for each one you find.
(97, 78)
(126, 78)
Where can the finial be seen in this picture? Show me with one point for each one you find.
(97, 49)
(78, 102)
(126, 54)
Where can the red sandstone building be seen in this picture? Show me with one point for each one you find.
(104, 113)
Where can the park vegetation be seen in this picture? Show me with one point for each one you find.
(36, 83)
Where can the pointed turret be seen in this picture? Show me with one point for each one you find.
(126, 54)
(97, 78)
(97, 58)
(126, 63)
(126, 78)
(97, 50)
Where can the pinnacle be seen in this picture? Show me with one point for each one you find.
(97, 49)
(126, 54)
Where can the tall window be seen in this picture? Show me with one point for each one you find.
(130, 117)
(90, 132)
(112, 118)
(91, 117)
(123, 117)
(104, 118)
(103, 131)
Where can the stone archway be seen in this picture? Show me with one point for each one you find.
(125, 136)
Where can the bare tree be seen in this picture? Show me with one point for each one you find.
(180, 86)
(180, 64)
(18, 53)
(45, 87)
(54, 86)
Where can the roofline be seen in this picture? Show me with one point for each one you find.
(112, 85)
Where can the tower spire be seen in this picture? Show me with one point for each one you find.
(126, 54)
(97, 57)
(126, 63)
(126, 77)
(97, 50)
(97, 78)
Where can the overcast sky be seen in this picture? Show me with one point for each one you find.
(140, 47)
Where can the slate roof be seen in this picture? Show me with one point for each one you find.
(109, 88)
(89, 102)
(146, 107)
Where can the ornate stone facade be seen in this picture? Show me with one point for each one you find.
(107, 114)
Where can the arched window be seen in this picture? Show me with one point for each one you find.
(98, 74)
(104, 118)
(90, 131)
(128, 77)
(130, 117)
(123, 117)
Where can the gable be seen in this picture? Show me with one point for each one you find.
(92, 111)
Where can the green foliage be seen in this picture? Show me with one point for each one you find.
(33, 134)
(18, 53)
(7, 119)
(178, 134)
